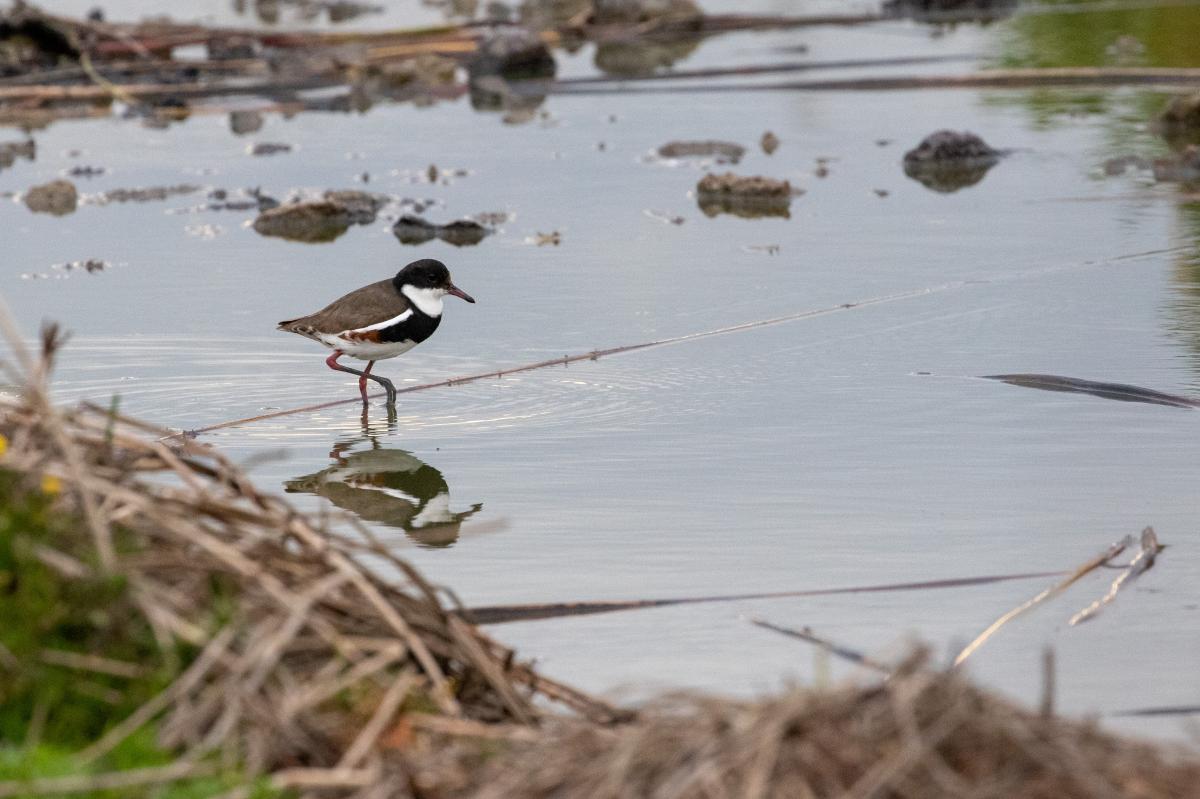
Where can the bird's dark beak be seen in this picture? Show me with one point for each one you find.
(457, 292)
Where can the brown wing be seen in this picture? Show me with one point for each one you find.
(368, 305)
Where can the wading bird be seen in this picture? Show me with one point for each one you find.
(382, 320)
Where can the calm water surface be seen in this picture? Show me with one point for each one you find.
(852, 448)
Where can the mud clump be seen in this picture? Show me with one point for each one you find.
(723, 152)
(1179, 122)
(313, 221)
(58, 197)
(1182, 168)
(411, 229)
(948, 160)
(11, 151)
(745, 196)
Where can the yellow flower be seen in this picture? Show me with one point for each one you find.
(51, 484)
(3, 444)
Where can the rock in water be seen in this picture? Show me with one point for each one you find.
(948, 160)
(513, 53)
(312, 222)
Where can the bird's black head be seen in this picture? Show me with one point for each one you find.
(430, 275)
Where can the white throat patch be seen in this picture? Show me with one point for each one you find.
(428, 301)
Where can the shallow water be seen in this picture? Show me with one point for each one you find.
(851, 448)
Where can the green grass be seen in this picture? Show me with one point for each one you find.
(94, 615)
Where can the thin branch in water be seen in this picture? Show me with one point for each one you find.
(806, 634)
(1142, 563)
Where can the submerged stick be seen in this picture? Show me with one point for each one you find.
(806, 634)
(1084, 569)
(501, 614)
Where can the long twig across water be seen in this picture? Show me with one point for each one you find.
(501, 614)
(596, 355)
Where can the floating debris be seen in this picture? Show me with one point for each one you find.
(744, 196)
(769, 143)
(761, 249)
(268, 148)
(1181, 168)
(947, 160)
(882, 142)
(494, 218)
(86, 171)
(58, 197)
(312, 221)
(204, 232)
(882, 192)
(540, 239)
(142, 195)
(663, 216)
(721, 152)
(11, 151)
(411, 229)
(61, 271)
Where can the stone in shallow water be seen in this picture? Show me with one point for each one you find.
(58, 197)
(745, 196)
(949, 160)
(314, 221)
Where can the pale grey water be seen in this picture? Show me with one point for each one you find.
(809, 454)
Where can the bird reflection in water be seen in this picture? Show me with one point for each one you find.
(387, 486)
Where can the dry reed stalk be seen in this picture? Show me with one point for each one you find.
(1087, 567)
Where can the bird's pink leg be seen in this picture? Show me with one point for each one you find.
(362, 381)
(363, 377)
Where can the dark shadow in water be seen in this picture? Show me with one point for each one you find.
(387, 486)
(1114, 391)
